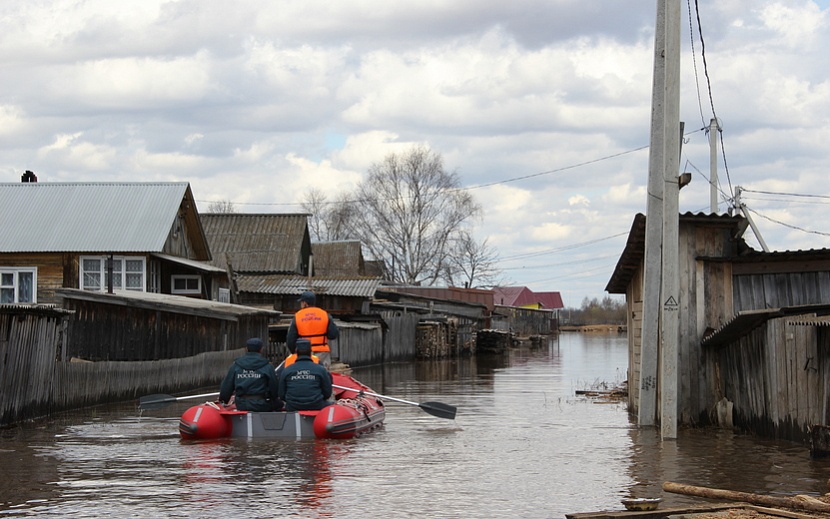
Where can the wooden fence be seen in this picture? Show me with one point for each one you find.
(36, 382)
(777, 378)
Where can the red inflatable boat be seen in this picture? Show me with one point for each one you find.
(356, 411)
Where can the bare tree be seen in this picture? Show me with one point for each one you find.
(472, 264)
(329, 220)
(221, 206)
(410, 209)
(313, 203)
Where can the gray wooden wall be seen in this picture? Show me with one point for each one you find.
(777, 378)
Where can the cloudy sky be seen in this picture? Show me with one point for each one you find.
(541, 107)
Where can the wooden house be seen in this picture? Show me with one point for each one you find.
(526, 312)
(753, 350)
(269, 259)
(102, 236)
(338, 259)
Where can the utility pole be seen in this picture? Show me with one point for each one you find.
(650, 337)
(714, 129)
(661, 281)
(670, 287)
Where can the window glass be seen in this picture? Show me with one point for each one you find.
(18, 285)
(25, 289)
(186, 284)
(91, 275)
(127, 273)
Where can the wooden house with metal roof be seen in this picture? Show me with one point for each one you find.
(753, 344)
(270, 259)
(102, 236)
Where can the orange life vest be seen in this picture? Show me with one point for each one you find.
(289, 360)
(313, 324)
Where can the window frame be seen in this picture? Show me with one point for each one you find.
(15, 286)
(120, 273)
(186, 277)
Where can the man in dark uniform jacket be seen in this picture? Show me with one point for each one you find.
(304, 385)
(252, 380)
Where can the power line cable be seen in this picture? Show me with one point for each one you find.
(711, 97)
(778, 193)
(561, 249)
(779, 222)
(694, 64)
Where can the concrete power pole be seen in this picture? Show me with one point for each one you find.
(661, 282)
(670, 287)
(714, 128)
(650, 337)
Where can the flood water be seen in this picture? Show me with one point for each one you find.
(524, 444)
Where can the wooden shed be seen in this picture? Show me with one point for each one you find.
(752, 348)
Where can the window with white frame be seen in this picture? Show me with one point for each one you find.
(186, 284)
(18, 285)
(128, 273)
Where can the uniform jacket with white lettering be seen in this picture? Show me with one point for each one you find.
(305, 385)
(250, 374)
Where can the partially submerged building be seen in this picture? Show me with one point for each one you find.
(753, 350)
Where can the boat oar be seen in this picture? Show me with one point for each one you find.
(159, 401)
(438, 409)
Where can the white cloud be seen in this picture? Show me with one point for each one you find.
(543, 106)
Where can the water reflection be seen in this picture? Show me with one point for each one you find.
(524, 444)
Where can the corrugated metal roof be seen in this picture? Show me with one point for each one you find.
(276, 284)
(257, 243)
(810, 320)
(88, 216)
(746, 321)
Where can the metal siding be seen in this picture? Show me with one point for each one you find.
(88, 217)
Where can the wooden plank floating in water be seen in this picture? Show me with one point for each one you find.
(801, 502)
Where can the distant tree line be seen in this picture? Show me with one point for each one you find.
(595, 311)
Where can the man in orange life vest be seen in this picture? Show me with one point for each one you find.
(314, 324)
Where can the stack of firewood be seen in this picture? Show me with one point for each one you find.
(431, 341)
(493, 341)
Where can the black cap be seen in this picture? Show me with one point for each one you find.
(302, 347)
(307, 297)
(254, 344)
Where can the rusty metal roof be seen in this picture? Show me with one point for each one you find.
(258, 243)
(89, 216)
(293, 285)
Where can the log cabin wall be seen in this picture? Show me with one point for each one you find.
(54, 271)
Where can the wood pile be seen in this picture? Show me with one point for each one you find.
(493, 341)
(431, 341)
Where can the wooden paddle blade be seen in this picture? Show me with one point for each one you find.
(155, 401)
(439, 409)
